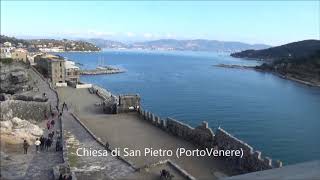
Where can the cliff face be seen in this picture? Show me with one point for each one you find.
(13, 79)
(19, 96)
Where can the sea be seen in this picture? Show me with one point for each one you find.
(278, 117)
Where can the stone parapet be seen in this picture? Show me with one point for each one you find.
(203, 137)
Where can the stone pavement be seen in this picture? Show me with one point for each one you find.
(40, 167)
(106, 167)
(93, 167)
(128, 130)
(35, 166)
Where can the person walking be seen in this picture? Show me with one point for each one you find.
(48, 143)
(25, 146)
(58, 144)
(52, 123)
(48, 124)
(37, 143)
(42, 140)
(64, 105)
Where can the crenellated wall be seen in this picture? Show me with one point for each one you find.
(251, 161)
(203, 137)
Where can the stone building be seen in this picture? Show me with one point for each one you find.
(128, 103)
(52, 67)
(5, 52)
(20, 55)
(72, 72)
(120, 104)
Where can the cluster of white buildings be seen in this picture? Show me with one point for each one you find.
(6, 50)
(16, 53)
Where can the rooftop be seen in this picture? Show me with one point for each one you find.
(52, 57)
(70, 65)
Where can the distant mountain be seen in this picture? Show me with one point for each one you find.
(182, 45)
(102, 43)
(293, 50)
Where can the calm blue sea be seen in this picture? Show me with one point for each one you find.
(281, 118)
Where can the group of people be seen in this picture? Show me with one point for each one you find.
(44, 143)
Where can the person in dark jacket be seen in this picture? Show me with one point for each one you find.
(58, 144)
(42, 140)
(48, 143)
(52, 122)
(25, 146)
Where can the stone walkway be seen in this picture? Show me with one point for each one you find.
(128, 130)
(35, 166)
(40, 167)
(90, 167)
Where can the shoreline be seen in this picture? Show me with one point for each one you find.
(233, 66)
(307, 83)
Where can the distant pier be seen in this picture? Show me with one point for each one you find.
(102, 70)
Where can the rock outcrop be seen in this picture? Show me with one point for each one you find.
(13, 131)
(29, 110)
(13, 79)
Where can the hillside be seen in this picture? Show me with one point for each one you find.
(68, 45)
(14, 41)
(182, 45)
(36, 44)
(106, 43)
(293, 50)
(303, 69)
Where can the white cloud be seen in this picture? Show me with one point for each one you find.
(169, 35)
(100, 33)
(130, 34)
(148, 35)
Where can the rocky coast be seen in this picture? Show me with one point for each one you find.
(289, 76)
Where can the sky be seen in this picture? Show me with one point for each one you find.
(267, 22)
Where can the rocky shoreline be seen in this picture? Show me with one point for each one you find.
(257, 68)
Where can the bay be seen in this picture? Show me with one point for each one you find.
(279, 117)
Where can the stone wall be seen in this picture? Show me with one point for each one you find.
(79, 86)
(251, 160)
(128, 103)
(101, 92)
(28, 110)
(113, 104)
(203, 137)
